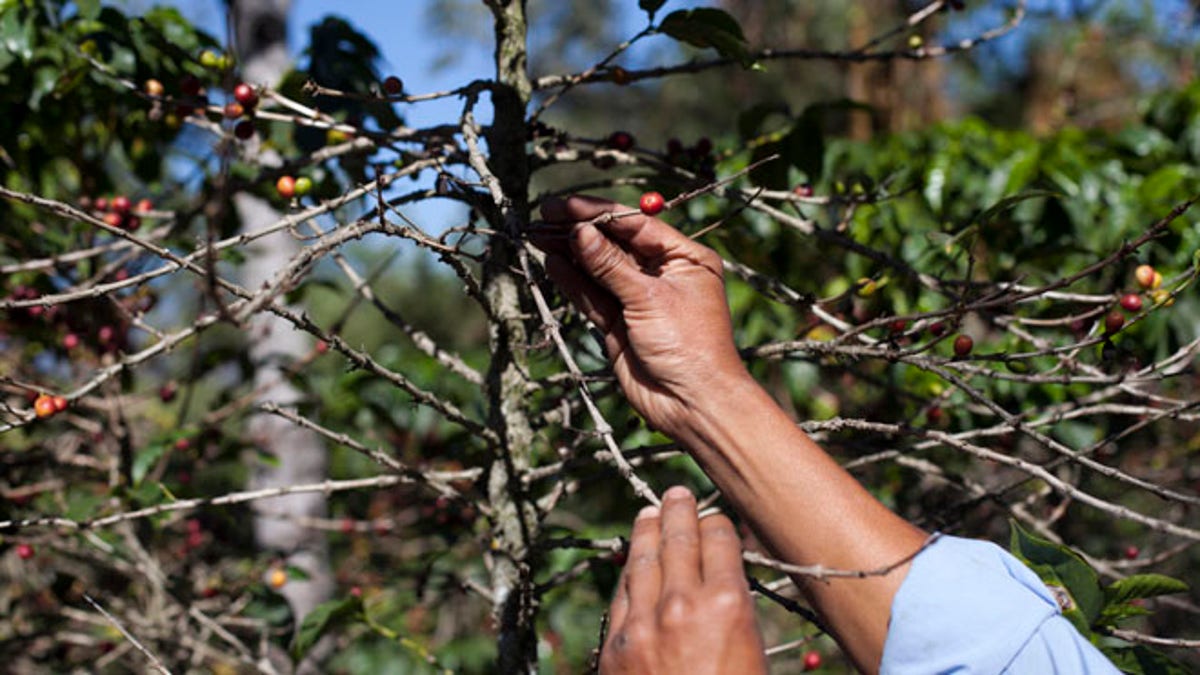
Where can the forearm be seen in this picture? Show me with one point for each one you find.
(804, 507)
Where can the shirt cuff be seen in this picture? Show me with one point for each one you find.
(966, 606)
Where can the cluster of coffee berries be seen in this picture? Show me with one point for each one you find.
(117, 211)
(46, 405)
(289, 187)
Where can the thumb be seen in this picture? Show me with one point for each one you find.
(606, 262)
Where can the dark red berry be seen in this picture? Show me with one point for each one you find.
(244, 129)
(963, 344)
(189, 85)
(393, 86)
(621, 140)
(704, 146)
(897, 326)
(1113, 321)
(1132, 302)
(1132, 552)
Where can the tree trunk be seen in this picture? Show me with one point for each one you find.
(261, 34)
(515, 524)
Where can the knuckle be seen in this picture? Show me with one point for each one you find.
(676, 611)
(731, 601)
(635, 637)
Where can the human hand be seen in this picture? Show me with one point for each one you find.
(682, 604)
(657, 296)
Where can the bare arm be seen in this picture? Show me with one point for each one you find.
(658, 297)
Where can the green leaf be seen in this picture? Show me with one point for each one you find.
(323, 617)
(709, 28)
(88, 9)
(651, 6)
(1011, 201)
(1143, 660)
(1142, 586)
(1058, 566)
(804, 146)
(144, 459)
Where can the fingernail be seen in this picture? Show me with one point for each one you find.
(647, 512)
(678, 492)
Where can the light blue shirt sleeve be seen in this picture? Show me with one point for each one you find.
(969, 607)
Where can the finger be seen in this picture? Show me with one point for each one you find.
(721, 552)
(645, 236)
(643, 574)
(597, 304)
(680, 545)
(606, 262)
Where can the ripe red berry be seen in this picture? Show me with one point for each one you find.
(937, 329)
(897, 326)
(934, 414)
(244, 129)
(621, 140)
(322, 346)
(105, 335)
(286, 187)
(963, 344)
(24, 551)
(70, 341)
(1113, 321)
(812, 660)
(114, 219)
(43, 406)
(245, 94)
(121, 204)
(60, 403)
(393, 86)
(144, 205)
(652, 203)
(803, 190)
(356, 591)
(183, 445)
(101, 204)
(1132, 302)
(1132, 552)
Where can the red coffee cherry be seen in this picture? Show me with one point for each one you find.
(652, 203)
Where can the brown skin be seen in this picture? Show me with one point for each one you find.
(659, 299)
(682, 587)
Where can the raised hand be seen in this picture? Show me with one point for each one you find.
(682, 604)
(657, 296)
